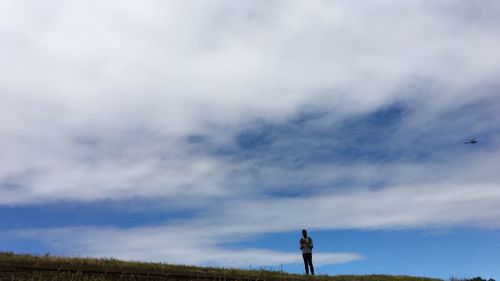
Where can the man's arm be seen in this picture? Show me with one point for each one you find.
(311, 243)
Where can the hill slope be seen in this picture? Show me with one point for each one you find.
(36, 268)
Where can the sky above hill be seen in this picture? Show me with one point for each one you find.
(212, 132)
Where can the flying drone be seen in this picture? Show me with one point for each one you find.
(471, 141)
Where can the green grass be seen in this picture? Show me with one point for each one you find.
(73, 269)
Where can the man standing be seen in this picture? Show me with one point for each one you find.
(306, 245)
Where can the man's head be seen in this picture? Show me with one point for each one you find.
(304, 233)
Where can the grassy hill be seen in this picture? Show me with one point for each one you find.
(35, 268)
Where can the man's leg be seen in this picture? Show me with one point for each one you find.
(311, 263)
(304, 256)
(308, 261)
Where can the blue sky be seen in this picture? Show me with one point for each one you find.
(212, 133)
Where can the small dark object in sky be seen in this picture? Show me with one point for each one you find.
(471, 141)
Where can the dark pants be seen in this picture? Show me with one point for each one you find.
(308, 262)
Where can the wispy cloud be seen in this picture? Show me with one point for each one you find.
(205, 239)
(184, 243)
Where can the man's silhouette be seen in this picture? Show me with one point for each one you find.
(306, 245)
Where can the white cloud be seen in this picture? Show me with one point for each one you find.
(204, 240)
(175, 66)
(192, 243)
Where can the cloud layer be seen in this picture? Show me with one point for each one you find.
(353, 113)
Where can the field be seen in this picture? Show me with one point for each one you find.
(37, 268)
